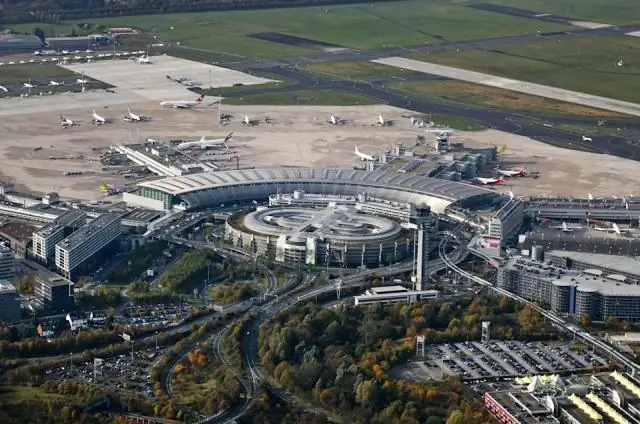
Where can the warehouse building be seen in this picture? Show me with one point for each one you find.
(589, 292)
(45, 239)
(9, 302)
(77, 249)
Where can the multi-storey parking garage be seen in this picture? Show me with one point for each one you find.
(225, 187)
(333, 235)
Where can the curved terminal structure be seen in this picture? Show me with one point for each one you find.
(337, 234)
(218, 188)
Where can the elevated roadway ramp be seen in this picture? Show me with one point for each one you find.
(549, 92)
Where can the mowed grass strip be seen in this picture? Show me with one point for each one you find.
(497, 98)
(618, 12)
(583, 64)
(367, 26)
(303, 98)
(356, 69)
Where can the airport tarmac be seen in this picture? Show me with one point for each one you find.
(294, 136)
(514, 85)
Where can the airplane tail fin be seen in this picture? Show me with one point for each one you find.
(500, 180)
(227, 138)
(201, 98)
(357, 150)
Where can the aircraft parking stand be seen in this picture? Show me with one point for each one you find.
(150, 81)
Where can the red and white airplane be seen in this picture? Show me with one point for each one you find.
(183, 104)
(489, 181)
(512, 172)
(132, 117)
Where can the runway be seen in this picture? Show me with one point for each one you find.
(549, 92)
(513, 122)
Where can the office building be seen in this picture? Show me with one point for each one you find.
(54, 294)
(506, 223)
(45, 239)
(79, 247)
(7, 263)
(589, 292)
(610, 264)
(9, 302)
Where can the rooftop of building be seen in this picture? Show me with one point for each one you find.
(54, 281)
(142, 216)
(64, 220)
(625, 264)
(389, 289)
(85, 232)
(441, 188)
(17, 231)
(7, 287)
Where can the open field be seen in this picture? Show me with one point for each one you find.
(18, 74)
(584, 64)
(303, 98)
(620, 12)
(355, 69)
(492, 80)
(352, 26)
(497, 98)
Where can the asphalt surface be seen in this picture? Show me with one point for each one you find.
(530, 125)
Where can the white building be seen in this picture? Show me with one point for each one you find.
(46, 238)
(7, 263)
(76, 249)
(393, 294)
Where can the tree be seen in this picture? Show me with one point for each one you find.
(585, 320)
(529, 319)
(456, 417)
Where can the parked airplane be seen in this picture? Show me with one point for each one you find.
(613, 229)
(82, 81)
(66, 122)
(143, 60)
(585, 138)
(489, 181)
(565, 228)
(183, 104)
(132, 117)
(97, 119)
(381, 122)
(55, 83)
(203, 143)
(512, 172)
(248, 121)
(335, 120)
(364, 156)
(28, 84)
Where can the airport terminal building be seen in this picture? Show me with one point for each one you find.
(216, 189)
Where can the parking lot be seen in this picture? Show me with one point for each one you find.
(473, 360)
(117, 373)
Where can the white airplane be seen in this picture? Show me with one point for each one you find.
(364, 156)
(66, 122)
(489, 181)
(183, 104)
(97, 119)
(335, 120)
(565, 228)
(28, 85)
(381, 122)
(132, 117)
(585, 138)
(248, 121)
(55, 83)
(143, 60)
(613, 229)
(512, 172)
(82, 81)
(203, 143)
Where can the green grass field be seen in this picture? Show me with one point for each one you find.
(356, 26)
(585, 64)
(303, 98)
(619, 12)
(11, 74)
(355, 69)
(496, 98)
